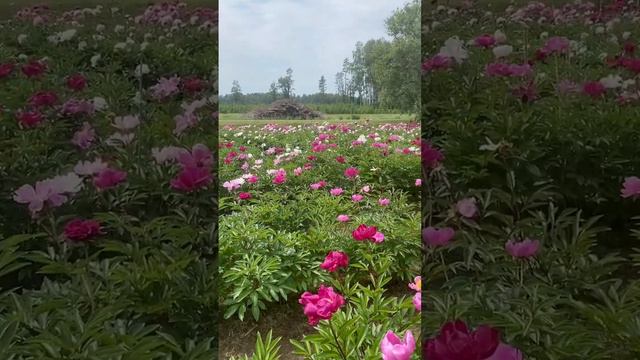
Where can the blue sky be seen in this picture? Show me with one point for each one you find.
(260, 39)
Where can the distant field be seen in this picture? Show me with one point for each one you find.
(237, 119)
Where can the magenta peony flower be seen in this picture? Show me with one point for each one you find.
(321, 306)
(431, 157)
(43, 99)
(456, 342)
(244, 196)
(76, 82)
(6, 69)
(80, 230)
(192, 178)
(438, 62)
(435, 237)
(109, 178)
(631, 187)
(506, 352)
(351, 172)
(29, 119)
(393, 348)
(334, 261)
(364, 232)
(595, 89)
(523, 249)
(34, 68)
(485, 41)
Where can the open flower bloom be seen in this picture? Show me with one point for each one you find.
(523, 249)
(631, 187)
(394, 348)
(50, 192)
(456, 342)
(364, 232)
(433, 236)
(334, 261)
(321, 306)
(416, 284)
(81, 230)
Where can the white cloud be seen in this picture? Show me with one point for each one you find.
(260, 39)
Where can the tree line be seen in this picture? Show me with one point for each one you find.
(380, 73)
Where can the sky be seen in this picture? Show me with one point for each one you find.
(260, 39)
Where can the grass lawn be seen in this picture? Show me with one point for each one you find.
(242, 119)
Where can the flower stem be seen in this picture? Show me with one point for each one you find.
(335, 337)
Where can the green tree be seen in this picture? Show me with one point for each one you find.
(236, 92)
(273, 91)
(322, 85)
(285, 84)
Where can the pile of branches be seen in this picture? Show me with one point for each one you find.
(286, 109)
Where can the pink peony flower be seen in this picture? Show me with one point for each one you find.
(343, 218)
(631, 187)
(356, 197)
(366, 188)
(417, 301)
(523, 249)
(318, 185)
(50, 192)
(351, 172)
(393, 348)
(321, 306)
(418, 182)
(434, 237)
(165, 88)
(200, 156)
(384, 202)
(192, 178)
(364, 232)
(336, 191)
(557, 44)
(467, 207)
(438, 62)
(416, 284)
(377, 238)
(84, 137)
(108, 178)
(334, 261)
